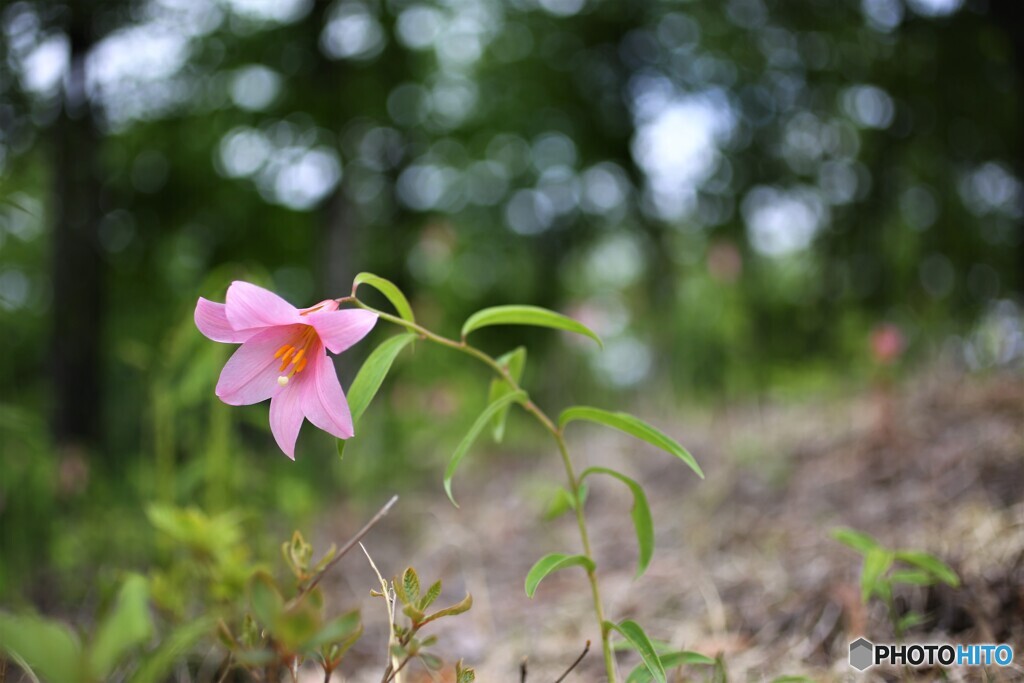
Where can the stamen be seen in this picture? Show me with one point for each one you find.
(295, 355)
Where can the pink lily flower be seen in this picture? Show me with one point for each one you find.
(283, 357)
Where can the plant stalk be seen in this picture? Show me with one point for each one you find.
(556, 433)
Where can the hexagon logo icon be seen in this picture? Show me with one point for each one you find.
(862, 654)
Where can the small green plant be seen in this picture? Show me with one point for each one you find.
(406, 644)
(213, 592)
(284, 358)
(884, 569)
(51, 651)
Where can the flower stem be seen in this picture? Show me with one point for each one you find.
(556, 433)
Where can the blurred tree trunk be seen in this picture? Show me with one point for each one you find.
(1009, 15)
(339, 235)
(76, 261)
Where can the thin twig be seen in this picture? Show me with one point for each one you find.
(389, 601)
(341, 553)
(572, 666)
(401, 666)
(522, 671)
(226, 667)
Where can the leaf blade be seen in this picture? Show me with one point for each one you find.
(634, 426)
(643, 521)
(631, 631)
(44, 645)
(931, 564)
(127, 626)
(857, 540)
(463, 605)
(526, 315)
(390, 291)
(370, 377)
(474, 431)
(514, 361)
(552, 563)
(669, 660)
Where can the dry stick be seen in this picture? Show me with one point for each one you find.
(586, 649)
(341, 553)
(224, 671)
(389, 602)
(522, 671)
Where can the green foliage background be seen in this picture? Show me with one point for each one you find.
(634, 164)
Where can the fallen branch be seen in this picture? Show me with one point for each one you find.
(572, 666)
(341, 553)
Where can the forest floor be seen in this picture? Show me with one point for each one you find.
(744, 565)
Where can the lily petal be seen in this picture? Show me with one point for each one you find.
(212, 321)
(323, 401)
(341, 329)
(250, 375)
(286, 418)
(249, 307)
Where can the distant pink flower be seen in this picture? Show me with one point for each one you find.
(283, 357)
(887, 343)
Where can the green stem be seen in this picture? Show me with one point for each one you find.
(556, 433)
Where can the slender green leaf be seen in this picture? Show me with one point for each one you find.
(297, 626)
(914, 577)
(173, 648)
(876, 563)
(857, 540)
(931, 564)
(47, 647)
(370, 377)
(793, 679)
(631, 631)
(336, 630)
(389, 290)
(553, 563)
(669, 660)
(431, 595)
(458, 608)
(633, 426)
(684, 658)
(720, 674)
(526, 315)
(910, 620)
(333, 652)
(431, 661)
(560, 503)
(643, 523)
(513, 362)
(485, 417)
(267, 603)
(411, 583)
(662, 647)
(128, 625)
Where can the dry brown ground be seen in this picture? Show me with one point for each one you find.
(744, 565)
